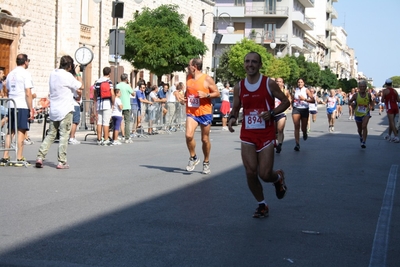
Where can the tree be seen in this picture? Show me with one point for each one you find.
(328, 79)
(294, 70)
(279, 68)
(237, 53)
(224, 72)
(396, 81)
(159, 41)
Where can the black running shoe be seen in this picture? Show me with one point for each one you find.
(305, 136)
(261, 211)
(363, 145)
(279, 148)
(297, 147)
(280, 186)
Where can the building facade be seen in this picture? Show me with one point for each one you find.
(46, 30)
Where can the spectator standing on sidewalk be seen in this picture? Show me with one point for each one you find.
(19, 85)
(256, 95)
(76, 117)
(391, 98)
(62, 85)
(126, 93)
(225, 105)
(104, 108)
(171, 107)
(116, 116)
(200, 88)
(363, 103)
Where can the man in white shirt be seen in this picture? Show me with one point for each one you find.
(171, 106)
(19, 85)
(63, 86)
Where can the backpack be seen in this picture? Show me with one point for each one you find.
(105, 90)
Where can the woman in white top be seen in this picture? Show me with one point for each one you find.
(225, 105)
(313, 109)
(301, 99)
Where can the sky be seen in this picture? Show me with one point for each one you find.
(373, 31)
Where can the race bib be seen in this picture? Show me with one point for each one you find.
(331, 104)
(253, 121)
(193, 101)
(362, 109)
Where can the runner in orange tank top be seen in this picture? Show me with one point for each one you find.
(200, 88)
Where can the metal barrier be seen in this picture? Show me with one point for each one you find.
(7, 128)
(88, 117)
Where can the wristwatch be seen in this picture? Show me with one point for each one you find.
(272, 113)
(208, 95)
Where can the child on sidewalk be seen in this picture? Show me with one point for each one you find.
(116, 116)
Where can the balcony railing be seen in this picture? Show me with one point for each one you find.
(282, 11)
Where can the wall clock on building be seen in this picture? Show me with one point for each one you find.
(83, 55)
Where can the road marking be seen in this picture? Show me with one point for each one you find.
(381, 239)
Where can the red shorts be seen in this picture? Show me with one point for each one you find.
(225, 107)
(260, 143)
(392, 111)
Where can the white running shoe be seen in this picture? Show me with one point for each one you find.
(73, 141)
(192, 164)
(387, 137)
(395, 139)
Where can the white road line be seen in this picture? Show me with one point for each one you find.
(381, 239)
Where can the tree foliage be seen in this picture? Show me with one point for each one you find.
(158, 40)
(396, 81)
(237, 53)
(328, 79)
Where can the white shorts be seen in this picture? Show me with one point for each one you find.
(104, 117)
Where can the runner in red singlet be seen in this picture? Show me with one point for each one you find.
(391, 98)
(256, 95)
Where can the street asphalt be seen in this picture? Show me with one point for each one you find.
(136, 205)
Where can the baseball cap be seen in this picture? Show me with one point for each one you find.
(388, 81)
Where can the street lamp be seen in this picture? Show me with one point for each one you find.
(117, 12)
(262, 35)
(218, 37)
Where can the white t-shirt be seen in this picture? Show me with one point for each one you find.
(116, 111)
(225, 94)
(18, 80)
(62, 88)
(170, 94)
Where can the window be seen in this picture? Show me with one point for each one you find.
(239, 27)
(85, 12)
(240, 2)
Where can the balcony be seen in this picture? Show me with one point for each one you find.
(263, 11)
(334, 14)
(328, 26)
(304, 23)
(307, 3)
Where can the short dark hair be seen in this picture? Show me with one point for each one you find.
(253, 52)
(66, 62)
(21, 59)
(198, 63)
(106, 71)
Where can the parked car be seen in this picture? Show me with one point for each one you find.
(217, 115)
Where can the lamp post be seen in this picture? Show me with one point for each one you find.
(218, 37)
(117, 12)
(262, 35)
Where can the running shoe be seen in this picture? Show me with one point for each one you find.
(279, 148)
(206, 168)
(128, 141)
(61, 166)
(107, 143)
(73, 141)
(363, 145)
(297, 147)
(39, 163)
(305, 136)
(225, 128)
(262, 211)
(332, 129)
(280, 186)
(100, 142)
(4, 161)
(22, 162)
(116, 143)
(395, 140)
(387, 137)
(28, 141)
(192, 164)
